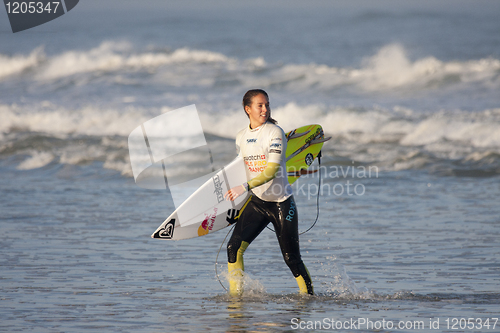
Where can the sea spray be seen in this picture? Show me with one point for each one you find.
(331, 279)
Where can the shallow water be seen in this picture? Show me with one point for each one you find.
(76, 255)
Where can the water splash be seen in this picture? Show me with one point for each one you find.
(252, 287)
(332, 280)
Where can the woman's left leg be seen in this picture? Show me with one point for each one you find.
(287, 231)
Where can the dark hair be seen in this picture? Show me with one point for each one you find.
(247, 101)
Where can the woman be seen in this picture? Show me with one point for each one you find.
(263, 145)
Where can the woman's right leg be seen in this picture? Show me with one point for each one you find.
(249, 225)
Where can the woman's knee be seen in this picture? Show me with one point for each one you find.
(232, 250)
(294, 262)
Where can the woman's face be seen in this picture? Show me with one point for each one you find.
(259, 111)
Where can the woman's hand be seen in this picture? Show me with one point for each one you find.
(235, 192)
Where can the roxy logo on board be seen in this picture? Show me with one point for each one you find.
(167, 231)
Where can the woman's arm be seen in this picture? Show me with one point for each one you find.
(265, 176)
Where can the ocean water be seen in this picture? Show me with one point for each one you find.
(408, 226)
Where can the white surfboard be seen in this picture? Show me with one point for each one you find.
(207, 211)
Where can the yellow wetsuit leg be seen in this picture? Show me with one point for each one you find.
(305, 288)
(235, 271)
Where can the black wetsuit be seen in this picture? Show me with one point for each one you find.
(283, 215)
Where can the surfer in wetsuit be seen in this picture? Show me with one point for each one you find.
(262, 145)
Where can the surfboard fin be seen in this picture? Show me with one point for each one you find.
(294, 135)
(320, 140)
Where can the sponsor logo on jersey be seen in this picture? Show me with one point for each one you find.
(255, 163)
(251, 140)
(275, 147)
(254, 158)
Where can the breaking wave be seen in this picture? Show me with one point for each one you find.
(397, 139)
(17, 64)
(390, 68)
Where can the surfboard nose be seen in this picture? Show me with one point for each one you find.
(165, 231)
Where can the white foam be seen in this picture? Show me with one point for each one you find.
(478, 129)
(475, 130)
(60, 121)
(19, 63)
(37, 160)
(377, 134)
(121, 166)
(407, 128)
(392, 68)
(252, 287)
(116, 56)
(334, 277)
(411, 160)
(388, 69)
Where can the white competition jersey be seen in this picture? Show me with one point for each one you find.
(258, 147)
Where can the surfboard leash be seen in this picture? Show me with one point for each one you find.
(217, 257)
(317, 199)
